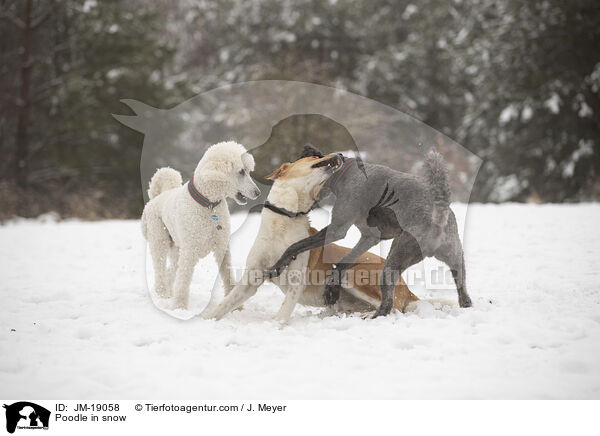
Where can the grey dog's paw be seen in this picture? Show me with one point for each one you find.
(383, 310)
(275, 270)
(332, 288)
(271, 273)
(331, 294)
(464, 300)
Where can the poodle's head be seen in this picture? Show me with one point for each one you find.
(228, 166)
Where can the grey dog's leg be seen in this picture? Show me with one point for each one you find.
(333, 283)
(405, 252)
(451, 253)
(316, 240)
(343, 215)
(326, 235)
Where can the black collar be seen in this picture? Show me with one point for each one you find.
(285, 212)
(201, 199)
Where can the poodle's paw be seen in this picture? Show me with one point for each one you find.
(180, 305)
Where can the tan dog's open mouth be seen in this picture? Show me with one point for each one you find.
(332, 163)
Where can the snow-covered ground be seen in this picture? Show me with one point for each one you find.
(77, 320)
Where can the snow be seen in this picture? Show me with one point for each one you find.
(77, 320)
(553, 103)
(508, 113)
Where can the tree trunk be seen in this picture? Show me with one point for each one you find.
(22, 134)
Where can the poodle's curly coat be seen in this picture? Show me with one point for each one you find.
(180, 231)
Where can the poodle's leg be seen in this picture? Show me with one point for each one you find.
(144, 224)
(226, 271)
(159, 243)
(183, 277)
(172, 268)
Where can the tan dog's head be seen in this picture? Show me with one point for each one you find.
(306, 175)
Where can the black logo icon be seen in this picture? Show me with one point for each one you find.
(24, 414)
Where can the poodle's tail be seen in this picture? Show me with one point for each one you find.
(163, 180)
(436, 173)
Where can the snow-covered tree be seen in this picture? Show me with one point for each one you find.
(535, 112)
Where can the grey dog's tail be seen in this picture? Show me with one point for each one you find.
(436, 173)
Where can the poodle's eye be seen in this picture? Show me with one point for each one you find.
(242, 172)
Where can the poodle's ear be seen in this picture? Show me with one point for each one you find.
(278, 172)
(248, 161)
(217, 170)
(309, 150)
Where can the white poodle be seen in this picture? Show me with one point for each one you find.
(184, 223)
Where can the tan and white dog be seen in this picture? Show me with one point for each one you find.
(295, 190)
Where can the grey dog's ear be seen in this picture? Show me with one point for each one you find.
(309, 150)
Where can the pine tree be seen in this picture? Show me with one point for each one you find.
(535, 114)
(72, 61)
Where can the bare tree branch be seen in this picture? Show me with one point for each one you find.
(40, 20)
(16, 21)
(7, 6)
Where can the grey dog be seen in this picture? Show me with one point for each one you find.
(387, 204)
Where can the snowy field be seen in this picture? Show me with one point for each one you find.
(78, 322)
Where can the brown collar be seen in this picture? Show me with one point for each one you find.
(200, 199)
